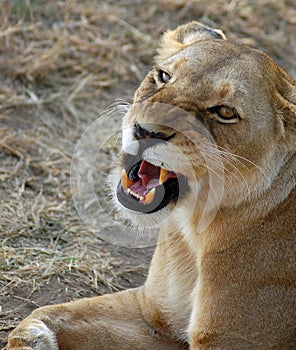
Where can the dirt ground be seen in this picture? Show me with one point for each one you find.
(61, 64)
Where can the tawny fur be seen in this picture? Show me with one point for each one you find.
(230, 284)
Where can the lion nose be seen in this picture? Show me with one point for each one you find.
(141, 133)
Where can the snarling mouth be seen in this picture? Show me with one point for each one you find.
(147, 188)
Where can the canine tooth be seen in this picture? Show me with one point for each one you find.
(125, 181)
(162, 175)
(149, 196)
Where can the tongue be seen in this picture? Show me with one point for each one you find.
(149, 174)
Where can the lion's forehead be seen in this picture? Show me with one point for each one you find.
(212, 58)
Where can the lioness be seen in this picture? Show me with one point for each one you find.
(209, 143)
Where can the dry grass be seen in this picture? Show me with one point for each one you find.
(61, 62)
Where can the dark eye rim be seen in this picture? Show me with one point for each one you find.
(216, 110)
(162, 72)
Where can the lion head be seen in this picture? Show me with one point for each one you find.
(210, 126)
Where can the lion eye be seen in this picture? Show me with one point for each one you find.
(225, 114)
(164, 76)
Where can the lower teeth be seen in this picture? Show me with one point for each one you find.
(133, 194)
(147, 199)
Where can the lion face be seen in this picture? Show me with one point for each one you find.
(209, 114)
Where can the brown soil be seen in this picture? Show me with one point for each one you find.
(61, 64)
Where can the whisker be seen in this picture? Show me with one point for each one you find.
(232, 161)
(216, 164)
(238, 158)
(240, 177)
(226, 177)
(118, 108)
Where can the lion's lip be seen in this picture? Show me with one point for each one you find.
(145, 187)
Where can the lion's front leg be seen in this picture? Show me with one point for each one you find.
(101, 323)
(32, 333)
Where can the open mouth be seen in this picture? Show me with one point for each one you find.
(147, 188)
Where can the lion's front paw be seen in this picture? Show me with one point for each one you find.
(32, 334)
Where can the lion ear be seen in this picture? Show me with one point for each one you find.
(173, 41)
